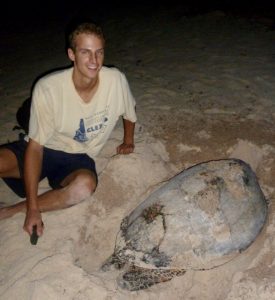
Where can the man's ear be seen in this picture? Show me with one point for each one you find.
(71, 54)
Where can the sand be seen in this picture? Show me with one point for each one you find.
(205, 89)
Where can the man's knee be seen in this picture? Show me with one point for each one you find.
(81, 188)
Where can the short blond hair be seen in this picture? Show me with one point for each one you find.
(85, 27)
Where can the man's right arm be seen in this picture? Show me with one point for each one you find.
(32, 170)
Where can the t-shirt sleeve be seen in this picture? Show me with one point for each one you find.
(41, 126)
(129, 101)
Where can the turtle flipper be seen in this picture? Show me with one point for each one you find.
(137, 278)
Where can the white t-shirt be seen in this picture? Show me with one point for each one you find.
(61, 120)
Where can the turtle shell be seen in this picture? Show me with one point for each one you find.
(201, 218)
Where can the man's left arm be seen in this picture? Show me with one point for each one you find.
(128, 141)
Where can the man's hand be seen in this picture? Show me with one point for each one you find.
(33, 218)
(125, 148)
(128, 141)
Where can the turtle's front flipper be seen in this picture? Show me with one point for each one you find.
(137, 278)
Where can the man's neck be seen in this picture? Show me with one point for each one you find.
(86, 88)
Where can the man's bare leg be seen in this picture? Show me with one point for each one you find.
(8, 167)
(77, 186)
(8, 164)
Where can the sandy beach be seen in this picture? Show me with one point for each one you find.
(205, 90)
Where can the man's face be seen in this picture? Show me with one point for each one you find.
(88, 56)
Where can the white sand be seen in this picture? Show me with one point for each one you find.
(205, 89)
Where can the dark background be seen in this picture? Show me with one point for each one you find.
(37, 11)
(26, 16)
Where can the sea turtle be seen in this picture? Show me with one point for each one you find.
(201, 218)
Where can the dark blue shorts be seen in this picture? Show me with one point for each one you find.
(56, 166)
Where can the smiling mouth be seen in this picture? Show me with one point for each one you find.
(92, 68)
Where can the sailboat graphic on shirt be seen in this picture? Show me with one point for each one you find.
(80, 134)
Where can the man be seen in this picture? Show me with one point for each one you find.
(73, 113)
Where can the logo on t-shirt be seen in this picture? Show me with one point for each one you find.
(80, 134)
(98, 126)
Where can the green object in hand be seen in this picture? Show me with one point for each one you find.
(34, 236)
